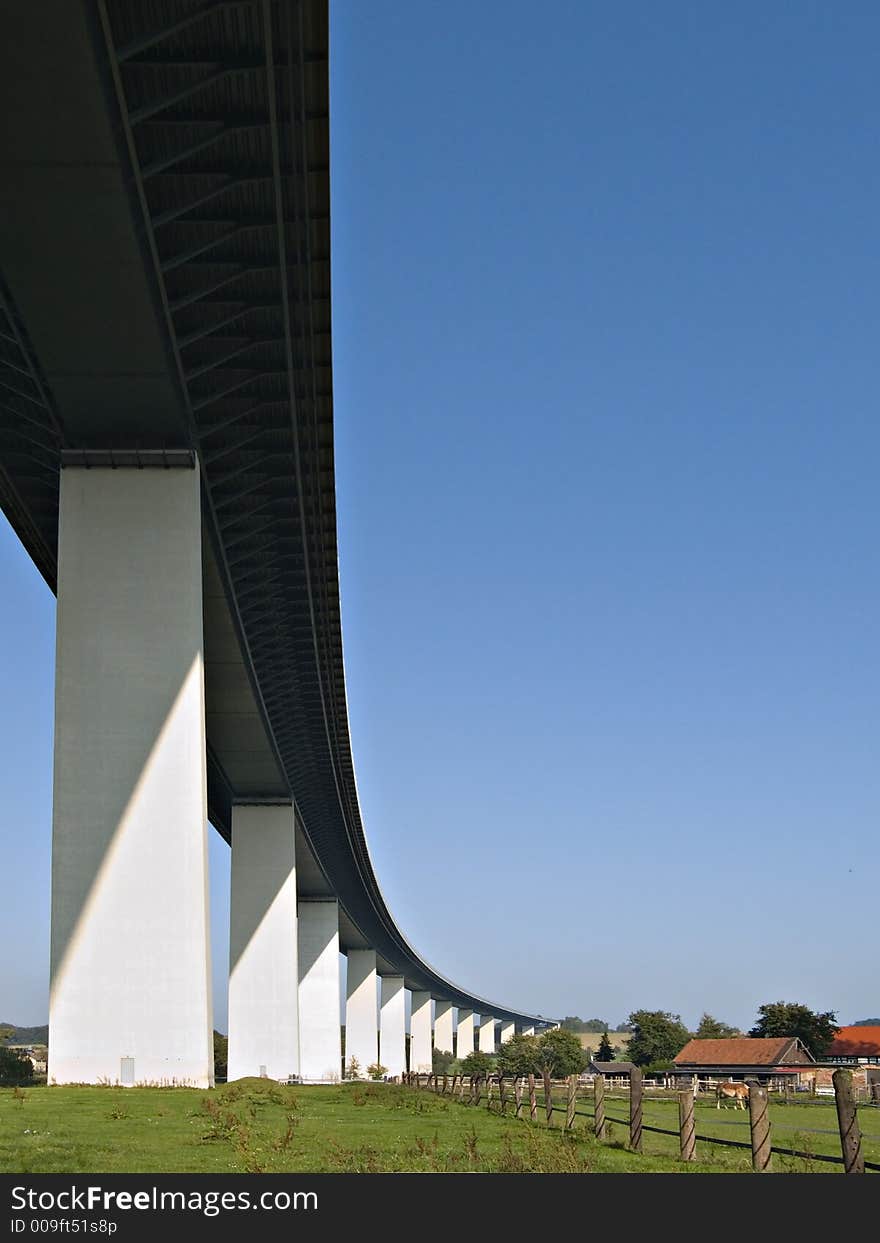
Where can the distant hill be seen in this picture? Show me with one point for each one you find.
(866, 1023)
(27, 1035)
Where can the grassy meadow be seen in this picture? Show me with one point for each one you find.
(257, 1126)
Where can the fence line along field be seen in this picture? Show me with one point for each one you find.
(835, 1137)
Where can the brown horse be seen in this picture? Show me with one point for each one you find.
(737, 1092)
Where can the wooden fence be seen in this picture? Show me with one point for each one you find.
(512, 1097)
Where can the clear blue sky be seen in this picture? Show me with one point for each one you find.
(606, 311)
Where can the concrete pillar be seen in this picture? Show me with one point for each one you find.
(465, 1041)
(130, 995)
(392, 1025)
(361, 1011)
(443, 1025)
(263, 977)
(320, 1038)
(508, 1031)
(420, 1060)
(487, 1034)
(528, 1031)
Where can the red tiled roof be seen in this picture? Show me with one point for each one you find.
(738, 1051)
(856, 1042)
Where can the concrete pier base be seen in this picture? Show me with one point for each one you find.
(508, 1031)
(361, 1012)
(263, 977)
(465, 1040)
(487, 1034)
(443, 1025)
(320, 1037)
(420, 1060)
(130, 996)
(392, 1025)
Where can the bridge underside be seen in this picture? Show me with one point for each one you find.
(165, 303)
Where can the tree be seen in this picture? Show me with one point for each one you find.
(377, 1071)
(606, 1050)
(560, 1053)
(787, 1018)
(571, 1023)
(519, 1056)
(15, 1067)
(441, 1060)
(353, 1069)
(657, 1036)
(711, 1028)
(866, 1023)
(221, 1048)
(478, 1065)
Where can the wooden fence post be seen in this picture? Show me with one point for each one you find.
(848, 1122)
(478, 1089)
(502, 1097)
(445, 1084)
(571, 1103)
(489, 1093)
(635, 1109)
(686, 1132)
(533, 1099)
(517, 1095)
(599, 1106)
(461, 1087)
(548, 1097)
(759, 1123)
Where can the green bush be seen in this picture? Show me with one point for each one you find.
(15, 1067)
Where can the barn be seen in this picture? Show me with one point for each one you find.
(773, 1061)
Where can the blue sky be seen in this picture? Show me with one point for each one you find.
(606, 306)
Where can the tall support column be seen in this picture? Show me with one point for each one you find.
(508, 1031)
(487, 1034)
(465, 1041)
(320, 1038)
(130, 996)
(392, 1025)
(443, 1025)
(263, 978)
(528, 1031)
(420, 1060)
(361, 1012)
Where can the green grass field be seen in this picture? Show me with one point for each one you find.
(257, 1126)
(809, 1127)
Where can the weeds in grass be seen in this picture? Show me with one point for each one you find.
(118, 1112)
(363, 1160)
(806, 1164)
(19, 1096)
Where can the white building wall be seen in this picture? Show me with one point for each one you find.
(130, 995)
(263, 976)
(420, 1060)
(392, 1025)
(361, 1011)
(320, 1037)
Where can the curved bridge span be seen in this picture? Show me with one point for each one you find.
(166, 457)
